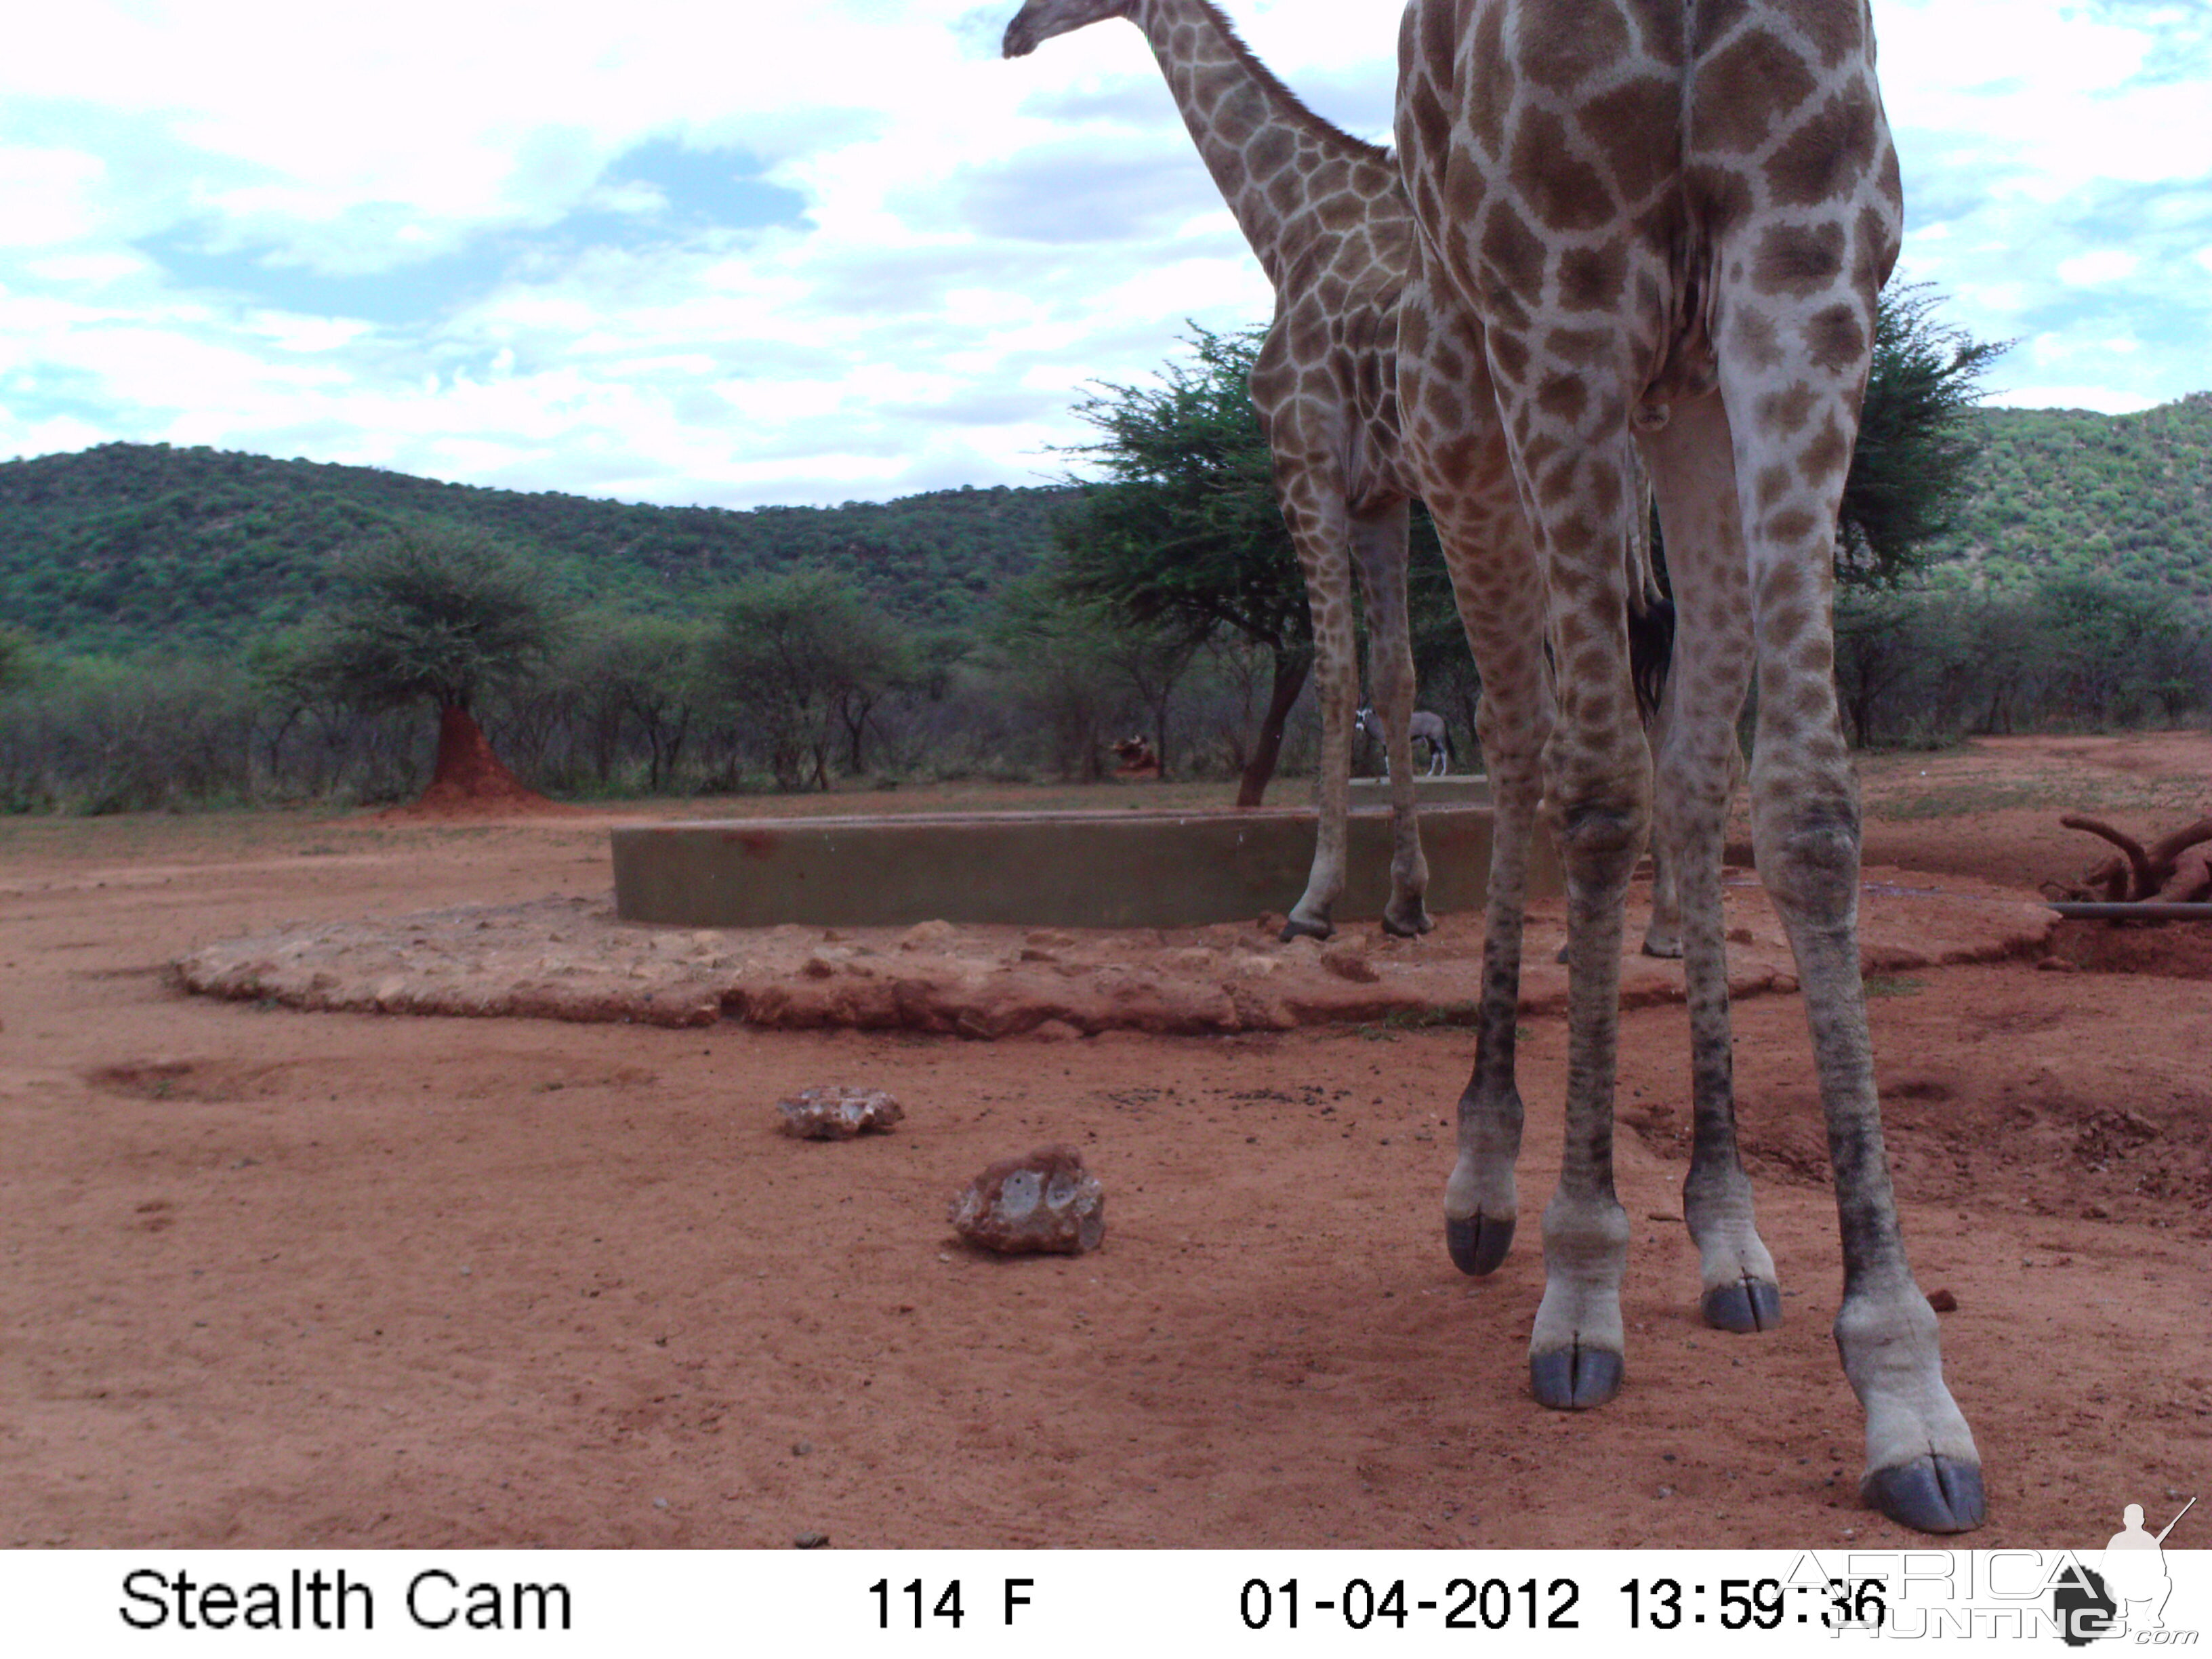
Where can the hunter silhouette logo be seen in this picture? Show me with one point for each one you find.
(2127, 1597)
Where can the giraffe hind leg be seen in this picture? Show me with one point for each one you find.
(1598, 777)
(1314, 511)
(1923, 1467)
(1662, 936)
(1500, 601)
(1379, 542)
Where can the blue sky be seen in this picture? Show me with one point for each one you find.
(841, 250)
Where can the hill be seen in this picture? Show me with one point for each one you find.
(128, 546)
(2127, 495)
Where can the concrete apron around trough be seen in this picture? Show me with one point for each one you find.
(1134, 868)
(573, 958)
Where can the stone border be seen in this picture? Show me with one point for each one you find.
(574, 959)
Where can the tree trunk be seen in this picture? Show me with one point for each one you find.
(468, 773)
(1292, 667)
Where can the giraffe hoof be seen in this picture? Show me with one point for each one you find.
(1748, 1305)
(1422, 922)
(1295, 928)
(1574, 1379)
(1932, 1493)
(1667, 950)
(1478, 1243)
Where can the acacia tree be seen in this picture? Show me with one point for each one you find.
(440, 614)
(1184, 535)
(1916, 439)
(642, 673)
(1078, 662)
(804, 658)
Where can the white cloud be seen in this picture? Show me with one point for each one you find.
(48, 198)
(265, 225)
(2098, 266)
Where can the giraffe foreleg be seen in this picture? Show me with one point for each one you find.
(1693, 741)
(1379, 542)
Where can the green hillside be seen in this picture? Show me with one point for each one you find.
(2127, 495)
(131, 545)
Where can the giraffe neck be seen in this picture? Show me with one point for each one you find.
(1258, 141)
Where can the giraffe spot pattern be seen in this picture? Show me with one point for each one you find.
(1745, 91)
(1798, 259)
(1832, 148)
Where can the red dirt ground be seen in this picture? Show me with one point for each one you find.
(286, 1279)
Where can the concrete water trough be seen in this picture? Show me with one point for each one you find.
(1128, 868)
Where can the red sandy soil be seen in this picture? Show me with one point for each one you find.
(278, 1277)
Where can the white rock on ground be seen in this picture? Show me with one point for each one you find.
(837, 1112)
(1046, 1203)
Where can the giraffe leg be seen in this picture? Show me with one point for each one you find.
(1481, 1201)
(1465, 475)
(1694, 474)
(1598, 780)
(1792, 396)
(1319, 527)
(1662, 935)
(1379, 541)
(1499, 596)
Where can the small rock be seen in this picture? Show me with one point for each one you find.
(2057, 965)
(810, 1540)
(1349, 961)
(801, 1448)
(928, 936)
(838, 1112)
(1942, 1301)
(1056, 1030)
(1048, 939)
(1739, 936)
(1046, 1203)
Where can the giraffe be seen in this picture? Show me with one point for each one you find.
(1669, 220)
(1328, 217)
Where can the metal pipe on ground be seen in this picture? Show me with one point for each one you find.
(2148, 910)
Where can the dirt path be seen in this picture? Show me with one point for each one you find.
(279, 1278)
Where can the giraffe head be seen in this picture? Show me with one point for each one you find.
(1040, 20)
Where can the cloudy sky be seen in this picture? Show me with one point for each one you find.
(816, 251)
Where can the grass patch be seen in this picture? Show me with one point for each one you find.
(1456, 1014)
(1894, 985)
(1972, 799)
